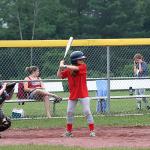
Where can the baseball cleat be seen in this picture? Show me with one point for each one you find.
(67, 134)
(92, 134)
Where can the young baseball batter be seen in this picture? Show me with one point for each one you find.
(140, 70)
(76, 74)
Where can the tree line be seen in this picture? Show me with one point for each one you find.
(58, 19)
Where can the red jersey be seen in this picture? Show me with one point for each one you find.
(77, 84)
(34, 84)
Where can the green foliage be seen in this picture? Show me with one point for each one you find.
(127, 71)
(48, 19)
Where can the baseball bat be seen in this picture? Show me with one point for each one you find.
(68, 46)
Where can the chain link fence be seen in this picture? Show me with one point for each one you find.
(15, 60)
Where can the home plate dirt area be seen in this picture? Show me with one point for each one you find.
(138, 137)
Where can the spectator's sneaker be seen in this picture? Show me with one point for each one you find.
(92, 134)
(67, 134)
(138, 109)
(148, 107)
(21, 103)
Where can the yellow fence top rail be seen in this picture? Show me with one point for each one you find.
(82, 42)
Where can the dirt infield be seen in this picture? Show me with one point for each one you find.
(106, 137)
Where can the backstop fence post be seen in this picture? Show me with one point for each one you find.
(108, 81)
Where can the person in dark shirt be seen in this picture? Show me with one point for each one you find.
(140, 70)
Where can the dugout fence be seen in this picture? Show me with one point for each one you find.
(106, 59)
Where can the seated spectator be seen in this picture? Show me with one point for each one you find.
(36, 89)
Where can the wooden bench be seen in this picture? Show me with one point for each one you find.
(49, 86)
(122, 84)
(103, 94)
(115, 85)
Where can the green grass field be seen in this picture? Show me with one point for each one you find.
(116, 117)
(48, 147)
(36, 109)
(139, 120)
